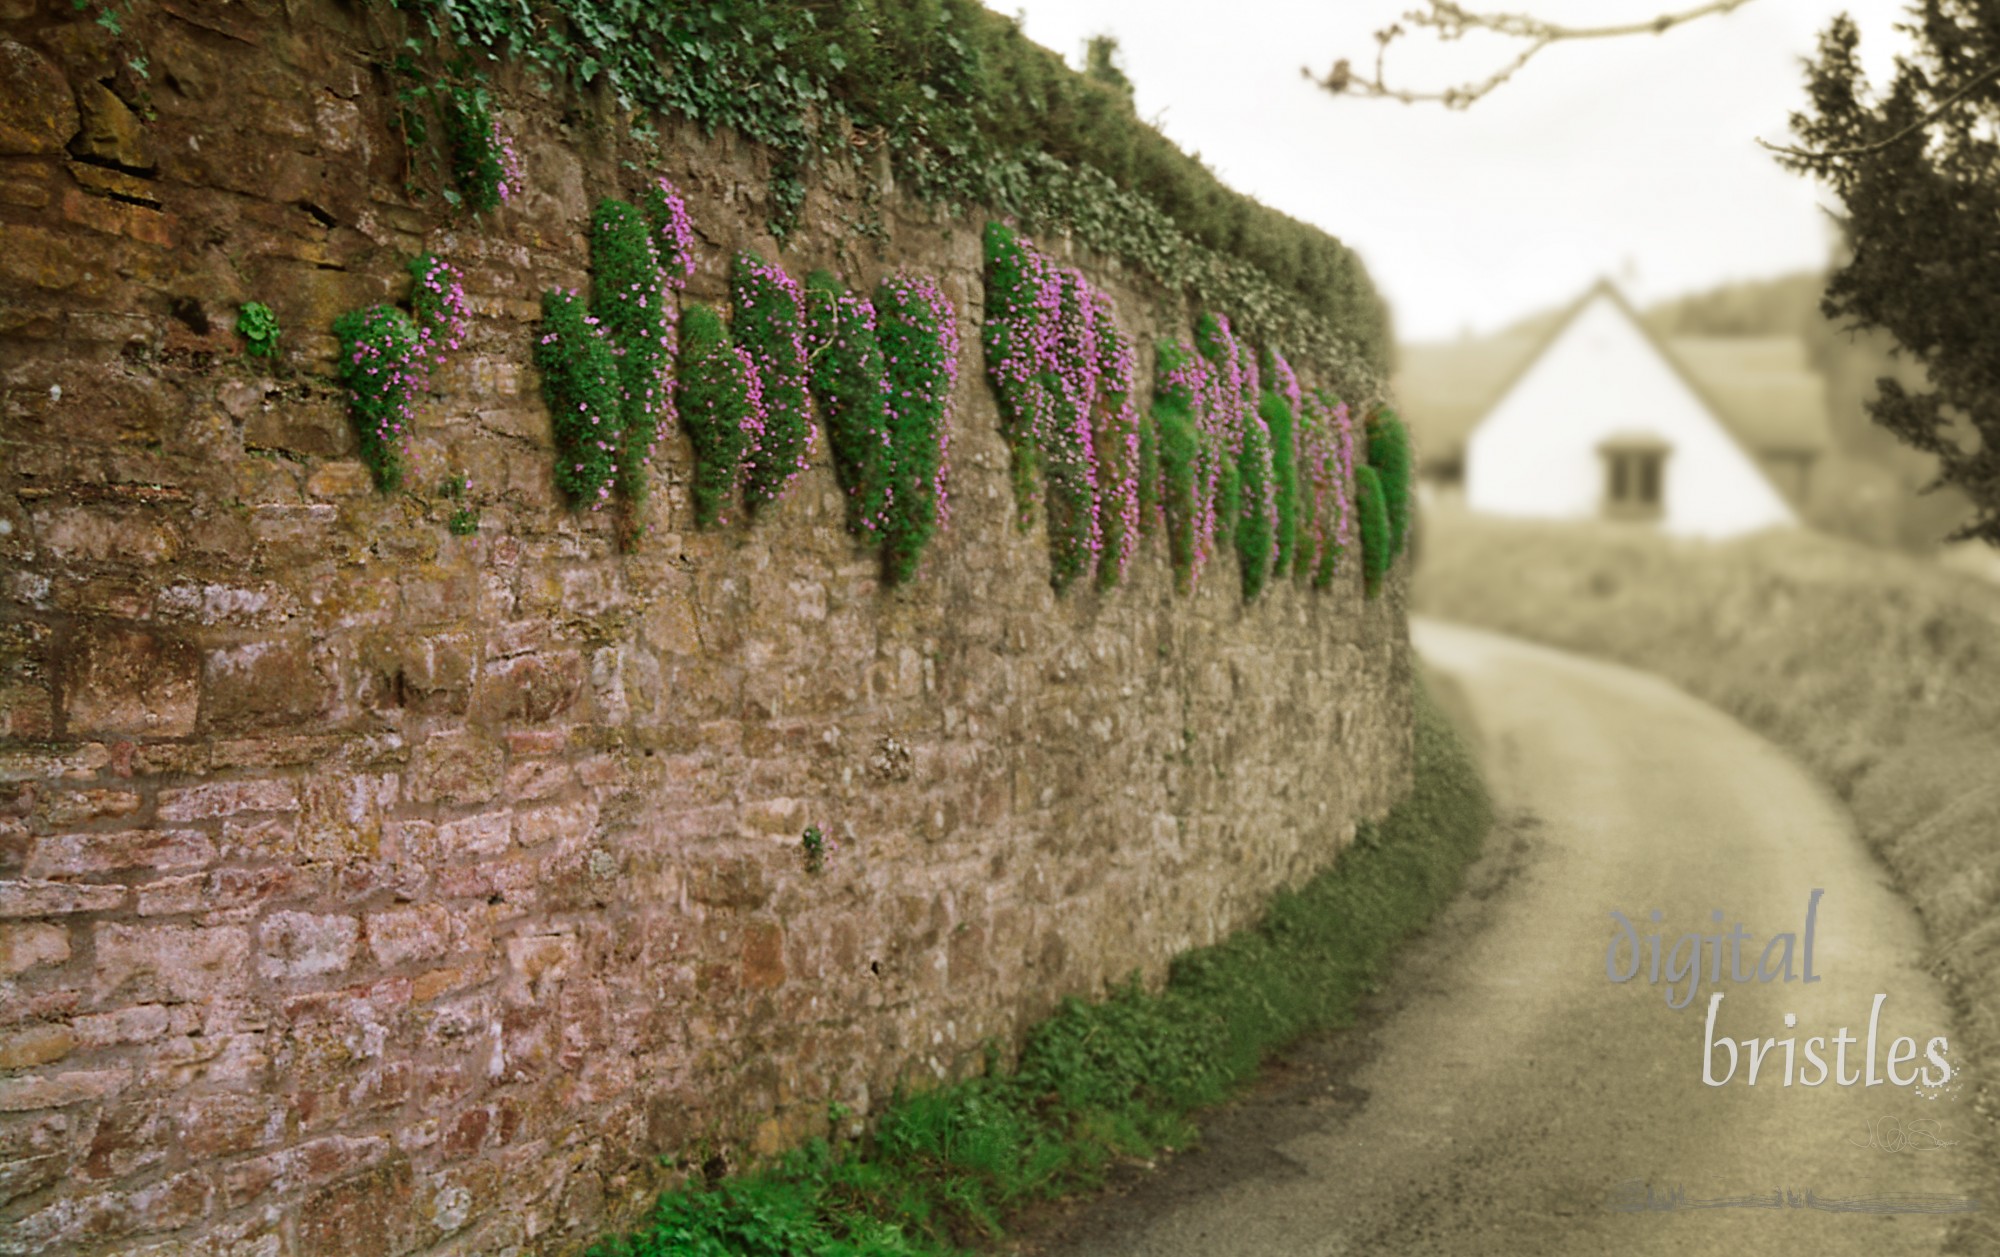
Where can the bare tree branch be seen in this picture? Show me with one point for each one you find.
(1937, 111)
(1451, 20)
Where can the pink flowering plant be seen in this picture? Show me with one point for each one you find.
(580, 383)
(721, 406)
(629, 297)
(769, 325)
(849, 381)
(1280, 408)
(484, 164)
(1326, 458)
(438, 306)
(379, 367)
(919, 342)
(1069, 448)
(1115, 431)
(1224, 412)
(1188, 465)
(1021, 304)
(673, 233)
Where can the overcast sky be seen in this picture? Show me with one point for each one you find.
(1631, 158)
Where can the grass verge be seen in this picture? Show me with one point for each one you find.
(1100, 1081)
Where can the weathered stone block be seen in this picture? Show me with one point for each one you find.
(37, 112)
(170, 962)
(68, 855)
(25, 947)
(306, 945)
(131, 681)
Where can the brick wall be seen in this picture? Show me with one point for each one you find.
(370, 889)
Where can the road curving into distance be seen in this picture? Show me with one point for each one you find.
(1511, 1097)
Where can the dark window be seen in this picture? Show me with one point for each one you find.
(1634, 479)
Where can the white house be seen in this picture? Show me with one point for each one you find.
(1600, 418)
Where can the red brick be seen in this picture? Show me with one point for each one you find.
(62, 855)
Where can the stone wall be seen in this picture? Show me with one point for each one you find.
(366, 888)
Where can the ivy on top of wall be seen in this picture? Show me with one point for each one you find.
(970, 112)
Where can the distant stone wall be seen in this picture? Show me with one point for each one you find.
(370, 889)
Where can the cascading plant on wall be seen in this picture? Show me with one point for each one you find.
(580, 382)
(918, 335)
(1122, 466)
(1069, 453)
(850, 384)
(769, 324)
(1389, 455)
(1019, 338)
(629, 297)
(1187, 486)
(387, 355)
(722, 407)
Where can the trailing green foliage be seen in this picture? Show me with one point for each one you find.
(1276, 413)
(718, 405)
(258, 326)
(1373, 517)
(1115, 429)
(919, 338)
(1151, 496)
(580, 383)
(1184, 504)
(1069, 453)
(483, 164)
(849, 381)
(629, 297)
(769, 324)
(1015, 280)
(1254, 532)
(1105, 1080)
(971, 112)
(1389, 455)
(377, 367)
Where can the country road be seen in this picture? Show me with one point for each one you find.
(1508, 1092)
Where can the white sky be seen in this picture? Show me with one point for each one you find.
(1633, 158)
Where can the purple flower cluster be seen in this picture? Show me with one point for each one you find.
(513, 177)
(437, 302)
(1117, 441)
(1190, 375)
(1326, 472)
(379, 366)
(769, 324)
(1063, 372)
(673, 233)
(921, 372)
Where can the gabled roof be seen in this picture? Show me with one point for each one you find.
(1761, 388)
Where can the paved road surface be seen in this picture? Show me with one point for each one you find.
(1504, 1100)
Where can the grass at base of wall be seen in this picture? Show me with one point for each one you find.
(1100, 1081)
